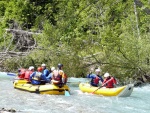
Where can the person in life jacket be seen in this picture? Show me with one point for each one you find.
(49, 77)
(45, 70)
(59, 77)
(109, 81)
(36, 76)
(28, 73)
(21, 73)
(64, 75)
(95, 78)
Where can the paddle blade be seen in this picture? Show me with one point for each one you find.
(92, 93)
(67, 93)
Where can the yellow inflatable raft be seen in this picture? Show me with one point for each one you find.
(40, 89)
(123, 91)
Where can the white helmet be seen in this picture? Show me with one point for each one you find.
(52, 68)
(97, 70)
(106, 75)
(43, 65)
(31, 68)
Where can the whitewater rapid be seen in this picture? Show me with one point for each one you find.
(78, 102)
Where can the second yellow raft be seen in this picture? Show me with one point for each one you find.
(123, 91)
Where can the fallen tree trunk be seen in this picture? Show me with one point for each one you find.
(21, 32)
(12, 54)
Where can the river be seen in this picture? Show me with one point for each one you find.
(77, 102)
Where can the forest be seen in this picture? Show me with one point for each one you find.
(113, 35)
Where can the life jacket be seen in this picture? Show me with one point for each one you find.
(21, 74)
(37, 76)
(27, 74)
(96, 80)
(57, 77)
(114, 80)
(110, 83)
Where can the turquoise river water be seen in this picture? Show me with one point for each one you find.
(77, 102)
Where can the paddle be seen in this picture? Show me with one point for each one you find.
(37, 89)
(102, 85)
(11, 74)
(67, 93)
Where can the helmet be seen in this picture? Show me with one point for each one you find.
(97, 70)
(53, 68)
(106, 75)
(39, 69)
(31, 68)
(43, 65)
(60, 65)
(19, 69)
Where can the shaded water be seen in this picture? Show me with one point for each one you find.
(78, 102)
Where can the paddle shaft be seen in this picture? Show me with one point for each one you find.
(103, 85)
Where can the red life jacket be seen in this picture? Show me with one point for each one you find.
(57, 77)
(114, 80)
(27, 75)
(110, 83)
(96, 80)
(22, 73)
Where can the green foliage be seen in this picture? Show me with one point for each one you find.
(14, 64)
(72, 30)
